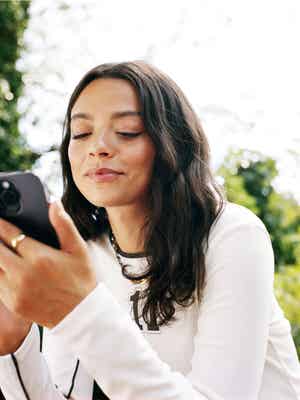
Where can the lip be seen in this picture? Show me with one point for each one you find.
(101, 171)
(104, 177)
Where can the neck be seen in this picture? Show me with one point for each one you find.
(126, 224)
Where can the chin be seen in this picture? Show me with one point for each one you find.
(106, 198)
(108, 202)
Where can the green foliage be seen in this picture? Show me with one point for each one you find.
(248, 180)
(14, 152)
(235, 186)
(287, 291)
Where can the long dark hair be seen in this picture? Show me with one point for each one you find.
(185, 197)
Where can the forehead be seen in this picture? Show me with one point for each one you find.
(106, 95)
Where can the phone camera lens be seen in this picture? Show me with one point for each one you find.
(9, 197)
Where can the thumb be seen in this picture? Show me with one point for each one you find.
(69, 238)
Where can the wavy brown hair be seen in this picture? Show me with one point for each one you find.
(185, 197)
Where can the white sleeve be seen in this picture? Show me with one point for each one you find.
(233, 324)
(24, 375)
(230, 344)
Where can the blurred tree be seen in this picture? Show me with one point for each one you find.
(15, 154)
(248, 177)
(287, 291)
(248, 180)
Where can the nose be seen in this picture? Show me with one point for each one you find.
(101, 145)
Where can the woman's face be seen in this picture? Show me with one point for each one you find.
(105, 110)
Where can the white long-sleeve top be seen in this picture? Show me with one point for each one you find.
(235, 345)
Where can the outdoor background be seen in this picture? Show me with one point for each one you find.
(237, 61)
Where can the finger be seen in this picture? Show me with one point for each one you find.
(69, 238)
(8, 232)
(9, 260)
(28, 248)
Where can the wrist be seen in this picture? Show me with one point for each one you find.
(13, 345)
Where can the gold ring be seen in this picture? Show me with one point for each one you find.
(16, 240)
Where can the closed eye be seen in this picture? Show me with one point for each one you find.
(125, 134)
(128, 134)
(79, 136)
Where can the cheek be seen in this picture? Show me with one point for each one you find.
(141, 164)
(74, 156)
(143, 155)
(76, 162)
(70, 152)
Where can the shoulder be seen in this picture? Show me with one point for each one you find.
(232, 219)
(238, 242)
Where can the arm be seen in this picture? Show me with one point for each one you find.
(24, 375)
(49, 273)
(230, 344)
(233, 324)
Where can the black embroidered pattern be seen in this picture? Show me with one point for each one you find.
(98, 394)
(19, 376)
(73, 381)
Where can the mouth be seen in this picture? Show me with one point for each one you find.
(104, 177)
(102, 171)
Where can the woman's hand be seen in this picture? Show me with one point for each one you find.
(13, 331)
(40, 283)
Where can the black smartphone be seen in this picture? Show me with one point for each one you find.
(23, 202)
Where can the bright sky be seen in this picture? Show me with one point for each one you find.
(237, 62)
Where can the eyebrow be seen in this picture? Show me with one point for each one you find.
(115, 115)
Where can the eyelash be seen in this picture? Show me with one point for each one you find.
(124, 134)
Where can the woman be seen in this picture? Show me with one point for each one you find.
(162, 289)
